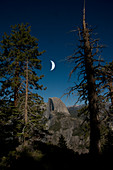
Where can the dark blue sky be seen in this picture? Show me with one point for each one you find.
(51, 22)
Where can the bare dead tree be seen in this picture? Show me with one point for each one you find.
(85, 59)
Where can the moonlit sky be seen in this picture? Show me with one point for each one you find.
(51, 22)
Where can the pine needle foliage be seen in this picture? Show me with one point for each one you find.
(20, 65)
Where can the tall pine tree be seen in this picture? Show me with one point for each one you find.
(20, 63)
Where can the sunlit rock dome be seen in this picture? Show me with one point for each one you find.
(56, 105)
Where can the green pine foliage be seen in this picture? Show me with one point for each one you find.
(19, 48)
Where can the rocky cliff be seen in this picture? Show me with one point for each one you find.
(60, 122)
(55, 105)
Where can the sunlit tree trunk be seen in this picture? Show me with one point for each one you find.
(111, 92)
(16, 84)
(26, 105)
(26, 95)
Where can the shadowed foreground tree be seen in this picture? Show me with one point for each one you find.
(85, 58)
(107, 81)
(62, 143)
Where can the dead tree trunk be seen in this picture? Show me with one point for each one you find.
(92, 94)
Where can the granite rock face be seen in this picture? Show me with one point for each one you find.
(55, 105)
(60, 122)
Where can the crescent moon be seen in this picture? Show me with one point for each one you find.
(53, 65)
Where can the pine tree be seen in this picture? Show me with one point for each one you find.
(84, 59)
(19, 81)
(62, 143)
(107, 80)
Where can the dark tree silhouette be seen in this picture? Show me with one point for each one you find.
(62, 143)
(107, 80)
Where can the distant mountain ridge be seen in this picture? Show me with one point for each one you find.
(73, 110)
